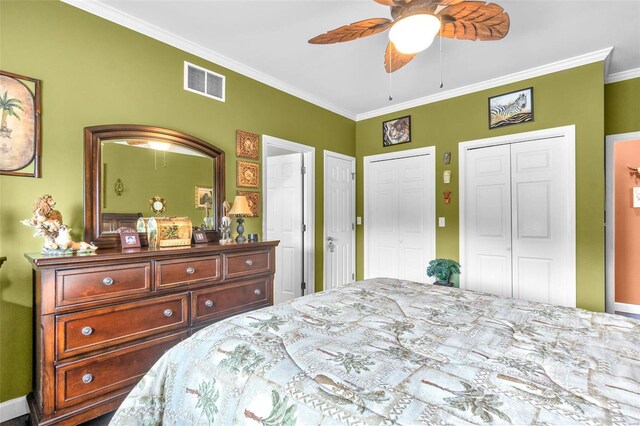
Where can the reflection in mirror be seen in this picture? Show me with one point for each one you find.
(151, 169)
(141, 171)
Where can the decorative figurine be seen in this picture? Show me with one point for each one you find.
(48, 224)
(225, 226)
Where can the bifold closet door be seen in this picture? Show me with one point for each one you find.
(488, 220)
(517, 221)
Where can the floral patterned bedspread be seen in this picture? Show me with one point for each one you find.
(385, 351)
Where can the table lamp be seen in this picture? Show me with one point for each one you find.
(240, 209)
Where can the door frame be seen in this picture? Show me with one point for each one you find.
(327, 153)
(430, 152)
(309, 198)
(569, 134)
(610, 226)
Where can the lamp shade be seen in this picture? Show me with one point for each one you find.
(414, 33)
(240, 206)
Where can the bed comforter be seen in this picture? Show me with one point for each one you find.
(386, 351)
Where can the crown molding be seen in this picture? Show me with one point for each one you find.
(114, 15)
(623, 75)
(565, 64)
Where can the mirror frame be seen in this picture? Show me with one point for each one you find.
(93, 138)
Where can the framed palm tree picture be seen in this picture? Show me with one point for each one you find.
(20, 130)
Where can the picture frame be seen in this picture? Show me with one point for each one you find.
(253, 200)
(396, 131)
(248, 174)
(198, 236)
(129, 238)
(510, 108)
(203, 195)
(21, 127)
(247, 144)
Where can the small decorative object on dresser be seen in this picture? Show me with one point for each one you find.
(240, 209)
(198, 236)
(102, 321)
(48, 224)
(247, 144)
(511, 108)
(169, 231)
(129, 237)
(225, 226)
(396, 131)
(248, 174)
(445, 270)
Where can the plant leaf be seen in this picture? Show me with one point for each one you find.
(474, 20)
(353, 31)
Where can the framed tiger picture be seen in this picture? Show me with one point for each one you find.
(511, 108)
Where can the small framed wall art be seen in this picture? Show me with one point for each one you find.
(203, 196)
(396, 131)
(253, 200)
(20, 129)
(248, 174)
(247, 145)
(511, 108)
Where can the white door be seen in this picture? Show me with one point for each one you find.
(517, 221)
(488, 220)
(400, 217)
(339, 219)
(284, 223)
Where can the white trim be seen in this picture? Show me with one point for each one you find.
(623, 75)
(328, 153)
(366, 162)
(206, 71)
(627, 308)
(569, 134)
(576, 61)
(610, 208)
(114, 15)
(309, 199)
(13, 408)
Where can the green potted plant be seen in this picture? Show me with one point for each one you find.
(444, 270)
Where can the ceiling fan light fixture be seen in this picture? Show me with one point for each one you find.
(414, 33)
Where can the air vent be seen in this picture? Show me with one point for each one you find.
(203, 81)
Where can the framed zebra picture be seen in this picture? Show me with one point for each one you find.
(511, 108)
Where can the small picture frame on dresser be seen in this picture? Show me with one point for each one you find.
(198, 236)
(129, 238)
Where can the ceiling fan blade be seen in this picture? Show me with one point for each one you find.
(449, 2)
(398, 60)
(385, 2)
(474, 20)
(353, 31)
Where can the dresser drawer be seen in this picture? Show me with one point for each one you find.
(97, 328)
(215, 303)
(243, 264)
(173, 273)
(74, 286)
(96, 376)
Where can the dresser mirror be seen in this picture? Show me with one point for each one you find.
(127, 166)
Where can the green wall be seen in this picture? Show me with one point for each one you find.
(95, 72)
(622, 107)
(575, 96)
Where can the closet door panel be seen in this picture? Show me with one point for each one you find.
(488, 220)
(540, 209)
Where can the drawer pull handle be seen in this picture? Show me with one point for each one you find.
(249, 262)
(257, 292)
(107, 281)
(168, 312)
(208, 303)
(87, 331)
(191, 270)
(87, 378)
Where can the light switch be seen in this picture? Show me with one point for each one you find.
(441, 222)
(359, 220)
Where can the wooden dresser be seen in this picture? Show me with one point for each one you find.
(102, 320)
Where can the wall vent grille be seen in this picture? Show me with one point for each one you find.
(204, 82)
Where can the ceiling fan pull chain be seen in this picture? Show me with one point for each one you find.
(390, 72)
(441, 82)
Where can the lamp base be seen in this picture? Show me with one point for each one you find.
(240, 238)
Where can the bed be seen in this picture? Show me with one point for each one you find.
(385, 351)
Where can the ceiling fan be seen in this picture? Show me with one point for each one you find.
(415, 24)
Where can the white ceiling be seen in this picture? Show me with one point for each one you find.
(267, 40)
